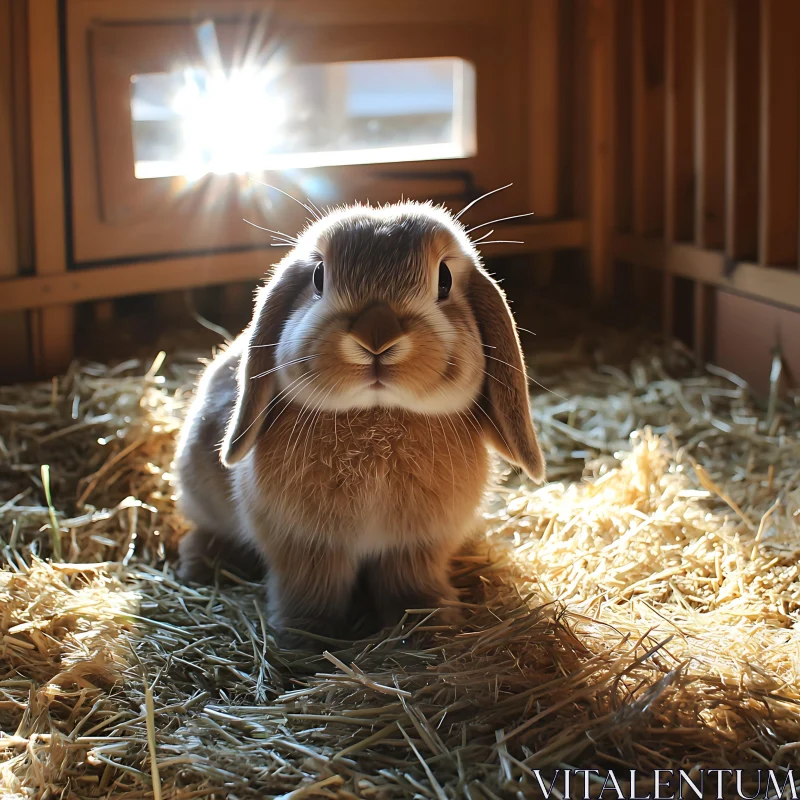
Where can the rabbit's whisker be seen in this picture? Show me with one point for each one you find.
(270, 230)
(481, 238)
(304, 417)
(297, 419)
(517, 369)
(500, 219)
(257, 418)
(449, 456)
(314, 206)
(455, 430)
(310, 435)
(315, 212)
(306, 379)
(281, 366)
(502, 383)
(482, 197)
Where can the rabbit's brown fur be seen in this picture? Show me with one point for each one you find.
(345, 469)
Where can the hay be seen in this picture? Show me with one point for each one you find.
(640, 611)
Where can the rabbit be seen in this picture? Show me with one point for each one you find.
(341, 439)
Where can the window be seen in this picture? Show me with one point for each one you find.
(181, 111)
(196, 121)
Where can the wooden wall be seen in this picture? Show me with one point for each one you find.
(662, 139)
(706, 98)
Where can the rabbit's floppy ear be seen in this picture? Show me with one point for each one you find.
(256, 376)
(508, 424)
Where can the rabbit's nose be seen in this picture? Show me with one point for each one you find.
(377, 328)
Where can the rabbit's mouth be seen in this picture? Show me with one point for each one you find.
(377, 373)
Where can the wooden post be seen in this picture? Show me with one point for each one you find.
(741, 160)
(711, 60)
(55, 325)
(705, 297)
(601, 151)
(648, 117)
(712, 32)
(8, 212)
(648, 129)
(679, 133)
(622, 125)
(780, 132)
(15, 352)
(543, 119)
(544, 151)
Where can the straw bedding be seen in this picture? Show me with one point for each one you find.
(639, 611)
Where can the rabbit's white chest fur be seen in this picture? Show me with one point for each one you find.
(371, 480)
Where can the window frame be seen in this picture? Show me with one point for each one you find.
(117, 216)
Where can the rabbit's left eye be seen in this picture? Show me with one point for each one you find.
(319, 277)
(445, 281)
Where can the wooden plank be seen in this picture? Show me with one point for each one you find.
(711, 59)
(623, 115)
(648, 116)
(678, 139)
(601, 109)
(770, 284)
(8, 211)
(543, 120)
(679, 136)
(293, 13)
(566, 108)
(56, 324)
(20, 114)
(15, 352)
(741, 161)
(543, 108)
(780, 131)
(221, 268)
(578, 19)
(704, 307)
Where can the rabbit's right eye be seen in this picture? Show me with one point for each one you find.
(319, 277)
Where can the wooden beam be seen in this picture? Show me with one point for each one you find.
(601, 169)
(220, 268)
(55, 324)
(741, 183)
(769, 284)
(711, 60)
(780, 132)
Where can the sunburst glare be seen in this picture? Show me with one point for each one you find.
(206, 118)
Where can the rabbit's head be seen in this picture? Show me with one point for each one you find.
(385, 307)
